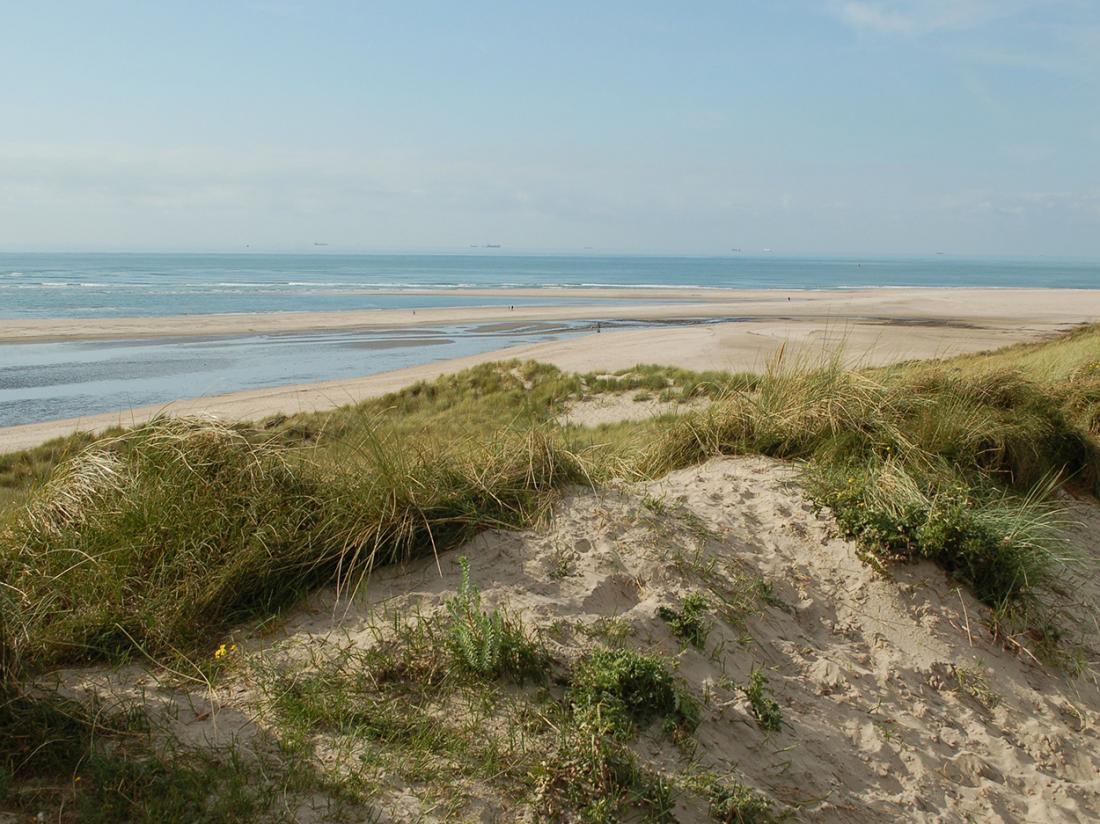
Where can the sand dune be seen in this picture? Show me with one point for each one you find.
(897, 703)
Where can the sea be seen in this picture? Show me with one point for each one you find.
(46, 381)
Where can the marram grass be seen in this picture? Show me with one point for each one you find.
(156, 541)
(1000, 425)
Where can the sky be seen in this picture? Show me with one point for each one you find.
(970, 127)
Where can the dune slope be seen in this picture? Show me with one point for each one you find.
(892, 699)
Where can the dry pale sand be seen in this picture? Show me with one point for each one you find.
(613, 407)
(897, 702)
(873, 326)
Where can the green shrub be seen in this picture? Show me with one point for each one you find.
(630, 687)
(593, 772)
(41, 736)
(163, 790)
(1000, 546)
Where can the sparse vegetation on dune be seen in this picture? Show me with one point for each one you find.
(150, 544)
(921, 462)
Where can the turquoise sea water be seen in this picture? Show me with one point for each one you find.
(44, 381)
(120, 285)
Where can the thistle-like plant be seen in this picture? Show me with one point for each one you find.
(476, 636)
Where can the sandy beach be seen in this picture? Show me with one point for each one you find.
(1039, 308)
(872, 326)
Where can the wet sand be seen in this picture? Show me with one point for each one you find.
(968, 306)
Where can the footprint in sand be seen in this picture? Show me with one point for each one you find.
(969, 770)
(612, 596)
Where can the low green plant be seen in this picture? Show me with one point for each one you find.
(46, 736)
(733, 802)
(1002, 547)
(182, 787)
(689, 622)
(976, 685)
(765, 709)
(395, 723)
(489, 644)
(592, 775)
(611, 631)
(561, 562)
(630, 688)
(99, 764)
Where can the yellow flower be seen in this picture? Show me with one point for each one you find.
(223, 650)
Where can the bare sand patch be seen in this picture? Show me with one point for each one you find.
(625, 406)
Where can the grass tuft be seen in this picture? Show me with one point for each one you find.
(153, 539)
(733, 802)
(1004, 547)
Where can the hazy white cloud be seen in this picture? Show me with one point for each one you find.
(1049, 214)
(917, 17)
(867, 16)
(1065, 41)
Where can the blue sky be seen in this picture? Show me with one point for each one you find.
(802, 126)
